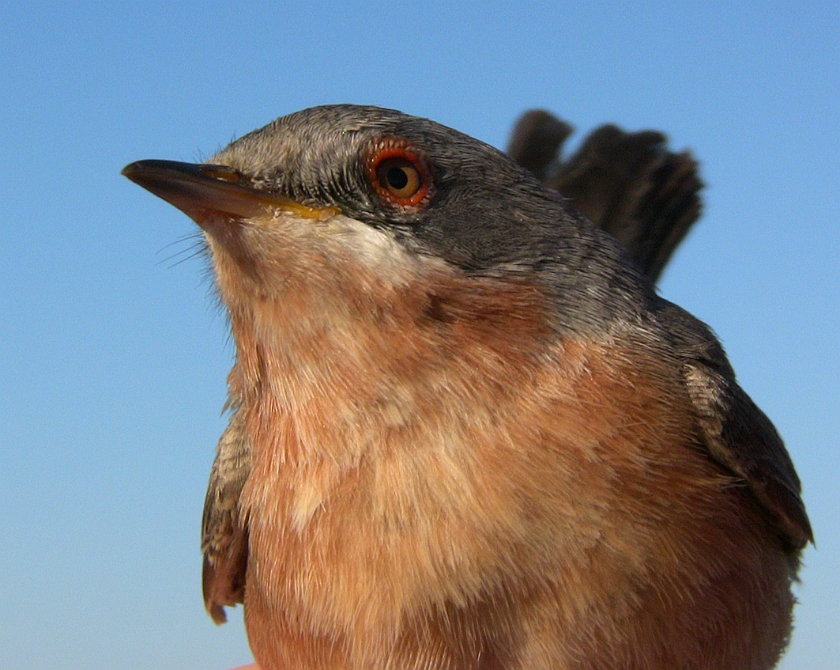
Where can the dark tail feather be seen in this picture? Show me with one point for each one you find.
(630, 184)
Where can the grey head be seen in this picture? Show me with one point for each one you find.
(479, 211)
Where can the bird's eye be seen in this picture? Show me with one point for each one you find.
(398, 175)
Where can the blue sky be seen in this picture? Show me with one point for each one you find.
(114, 355)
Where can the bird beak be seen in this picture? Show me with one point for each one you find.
(205, 191)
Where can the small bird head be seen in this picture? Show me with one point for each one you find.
(349, 198)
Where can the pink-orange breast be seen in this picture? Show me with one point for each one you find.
(456, 488)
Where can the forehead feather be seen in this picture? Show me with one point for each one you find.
(326, 137)
(309, 136)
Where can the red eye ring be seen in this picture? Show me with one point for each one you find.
(398, 174)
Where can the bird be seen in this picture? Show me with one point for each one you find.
(466, 431)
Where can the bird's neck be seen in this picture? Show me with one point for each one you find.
(329, 377)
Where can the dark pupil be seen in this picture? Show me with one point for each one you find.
(397, 178)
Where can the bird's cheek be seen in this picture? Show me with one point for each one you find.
(266, 257)
(338, 265)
